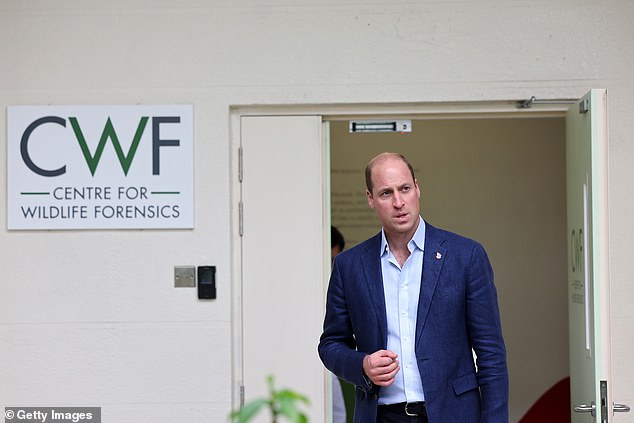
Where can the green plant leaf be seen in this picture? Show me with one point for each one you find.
(249, 410)
(270, 381)
(288, 407)
(282, 403)
(287, 394)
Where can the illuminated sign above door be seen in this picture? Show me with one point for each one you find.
(100, 167)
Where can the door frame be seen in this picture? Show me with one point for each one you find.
(334, 112)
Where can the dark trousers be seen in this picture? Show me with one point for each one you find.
(395, 413)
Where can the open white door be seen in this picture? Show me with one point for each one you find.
(588, 272)
(283, 257)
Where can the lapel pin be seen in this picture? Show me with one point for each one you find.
(438, 256)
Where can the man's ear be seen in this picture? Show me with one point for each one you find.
(368, 195)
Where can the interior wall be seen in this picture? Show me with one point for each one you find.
(501, 182)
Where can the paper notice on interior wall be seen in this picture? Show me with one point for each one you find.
(349, 208)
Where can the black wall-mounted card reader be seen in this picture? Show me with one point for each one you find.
(207, 282)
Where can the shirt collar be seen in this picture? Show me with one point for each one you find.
(418, 240)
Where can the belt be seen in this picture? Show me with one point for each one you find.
(412, 409)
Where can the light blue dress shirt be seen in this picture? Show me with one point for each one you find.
(401, 287)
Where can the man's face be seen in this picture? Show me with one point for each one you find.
(395, 197)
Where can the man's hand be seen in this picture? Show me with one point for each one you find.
(381, 367)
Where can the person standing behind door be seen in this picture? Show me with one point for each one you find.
(337, 244)
(404, 311)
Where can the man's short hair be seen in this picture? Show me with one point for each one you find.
(370, 165)
(336, 239)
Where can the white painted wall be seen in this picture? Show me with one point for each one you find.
(92, 317)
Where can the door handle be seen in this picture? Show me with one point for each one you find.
(620, 408)
(585, 408)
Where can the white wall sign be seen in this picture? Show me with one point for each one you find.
(100, 167)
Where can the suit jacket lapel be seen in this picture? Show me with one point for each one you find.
(374, 278)
(433, 259)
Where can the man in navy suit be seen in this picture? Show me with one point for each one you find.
(406, 311)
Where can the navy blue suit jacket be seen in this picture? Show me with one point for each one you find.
(457, 311)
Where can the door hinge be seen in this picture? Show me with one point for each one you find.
(240, 169)
(241, 396)
(240, 218)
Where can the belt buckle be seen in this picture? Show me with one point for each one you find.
(407, 411)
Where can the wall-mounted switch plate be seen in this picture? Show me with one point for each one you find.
(184, 276)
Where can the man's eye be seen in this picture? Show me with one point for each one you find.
(405, 189)
(384, 194)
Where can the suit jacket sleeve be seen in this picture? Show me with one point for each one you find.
(483, 320)
(338, 347)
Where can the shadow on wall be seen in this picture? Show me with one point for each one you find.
(552, 407)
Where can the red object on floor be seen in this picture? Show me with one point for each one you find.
(552, 407)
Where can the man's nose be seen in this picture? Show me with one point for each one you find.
(397, 201)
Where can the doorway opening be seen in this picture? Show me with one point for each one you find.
(486, 170)
(501, 181)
